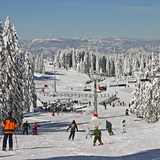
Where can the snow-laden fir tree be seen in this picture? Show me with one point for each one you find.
(1, 53)
(146, 100)
(12, 73)
(39, 64)
(30, 97)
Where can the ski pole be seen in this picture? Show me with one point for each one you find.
(16, 139)
(1, 135)
(1, 126)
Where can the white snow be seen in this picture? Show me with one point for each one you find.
(140, 142)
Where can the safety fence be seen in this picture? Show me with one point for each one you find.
(75, 95)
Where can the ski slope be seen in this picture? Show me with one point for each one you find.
(140, 142)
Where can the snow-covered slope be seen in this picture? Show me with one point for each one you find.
(140, 142)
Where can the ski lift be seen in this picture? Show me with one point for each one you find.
(155, 76)
(132, 81)
(144, 79)
(87, 88)
(102, 88)
(121, 85)
(113, 85)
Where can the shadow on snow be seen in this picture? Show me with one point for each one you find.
(145, 155)
(52, 73)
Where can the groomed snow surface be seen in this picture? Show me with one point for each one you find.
(140, 142)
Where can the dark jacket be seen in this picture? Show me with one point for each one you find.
(97, 133)
(26, 125)
(73, 127)
(108, 125)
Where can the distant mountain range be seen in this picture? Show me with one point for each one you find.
(111, 45)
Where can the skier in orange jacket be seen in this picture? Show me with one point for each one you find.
(9, 125)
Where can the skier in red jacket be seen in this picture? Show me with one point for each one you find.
(35, 128)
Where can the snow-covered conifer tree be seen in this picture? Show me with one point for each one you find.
(12, 73)
(146, 100)
(1, 53)
(39, 64)
(30, 98)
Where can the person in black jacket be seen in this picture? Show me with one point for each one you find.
(25, 127)
(73, 127)
(109, 127)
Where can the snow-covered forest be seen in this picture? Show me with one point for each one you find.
(118, 65)
(17, 71)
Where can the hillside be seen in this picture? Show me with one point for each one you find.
(140, 142)
(48, 47)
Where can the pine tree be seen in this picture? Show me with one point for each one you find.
(12, 74)
(12, 70)
(1, 82)
(146, 100)
(30, 98)
(39, 64)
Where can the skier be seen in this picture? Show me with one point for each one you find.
(124, 126)
(35, 128)
(109, 127)
(73, 127)
(97, 134)
(104, 104)
(25, 127)
(127, 114)
(53, 112)
(9, 125)
(88, 132)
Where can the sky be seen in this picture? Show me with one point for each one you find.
(83, 18)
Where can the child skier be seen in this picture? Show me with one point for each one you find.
(88, 132)
(126, 113)
(35, 128)
(97, 134)
(124, 126)
(25, 127)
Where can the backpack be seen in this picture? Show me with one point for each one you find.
(73, 126)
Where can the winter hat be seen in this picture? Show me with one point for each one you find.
(96, 127)
(10, 114)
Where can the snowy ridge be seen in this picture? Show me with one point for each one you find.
(110, 45)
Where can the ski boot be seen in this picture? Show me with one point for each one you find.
(101, 143)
